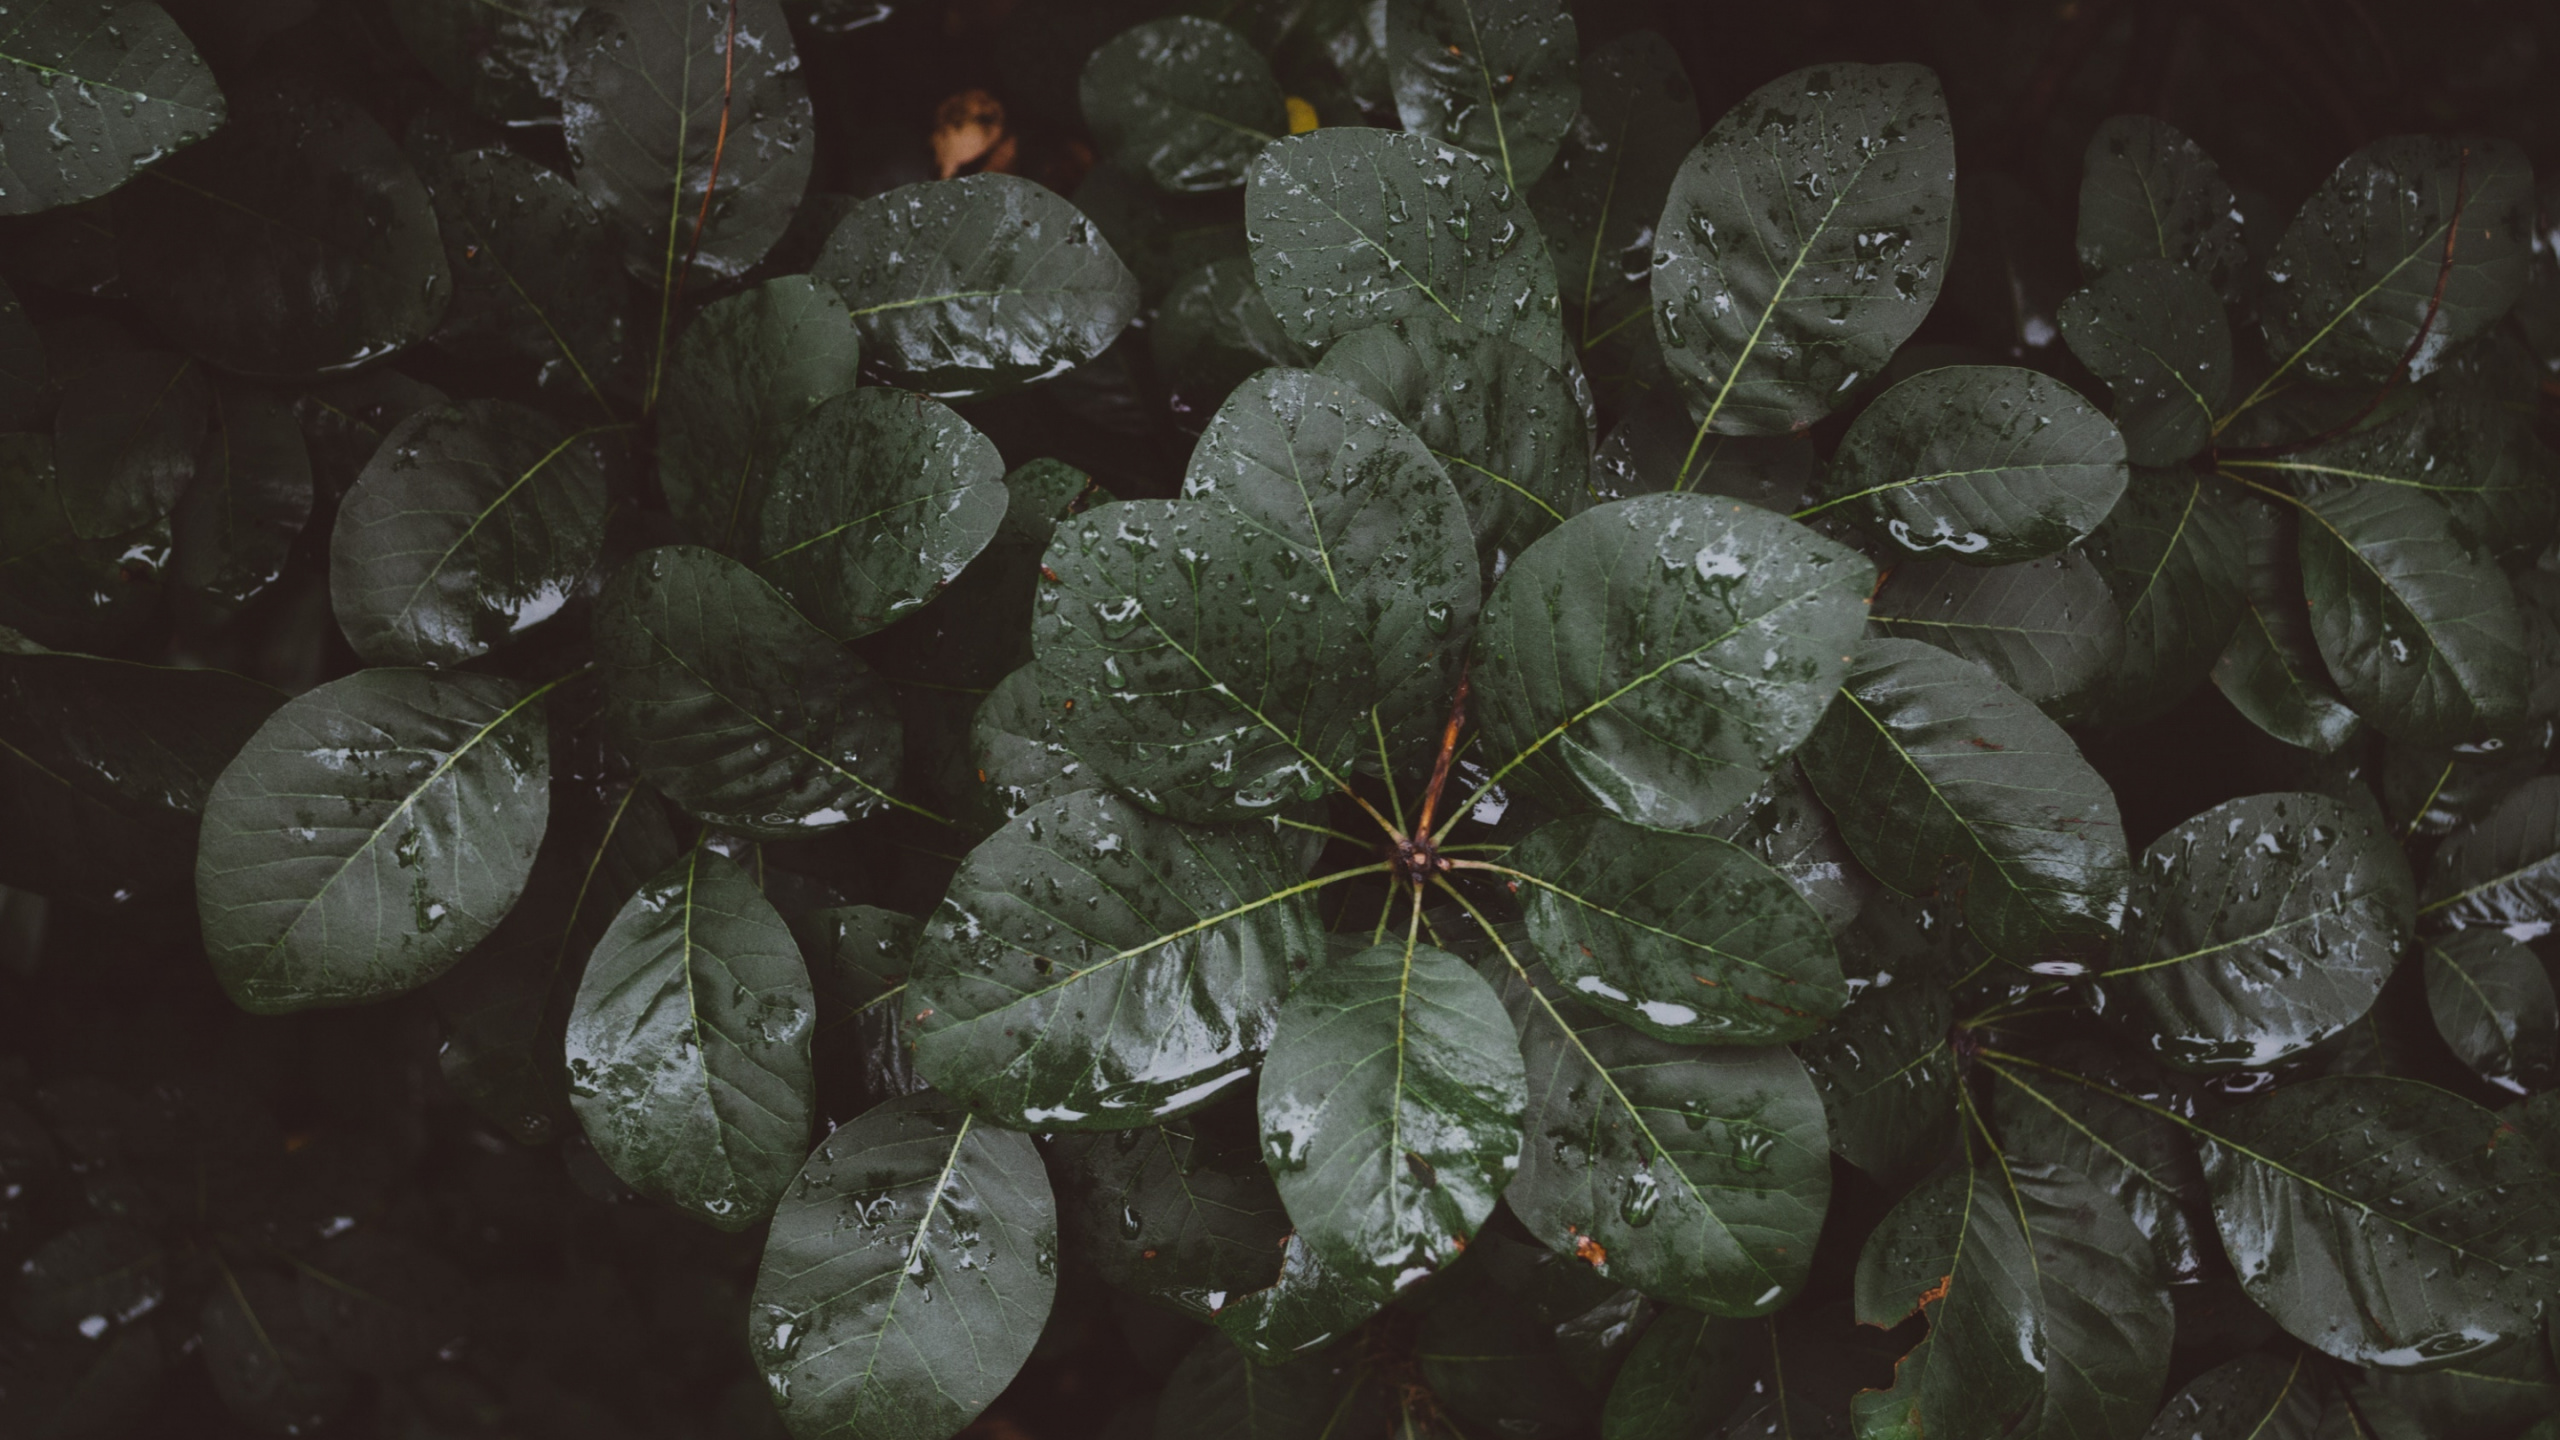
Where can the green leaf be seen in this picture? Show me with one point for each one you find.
(295, 242)
(267, 1360)
(2364, 264)
(1161, 237)
(1218, 1393)
(385, 1305)
(1310, 459)
(879, 500)
(537, 273)
(1017, 754)
(1097, 967)
(1887, 1077)
(2492, 1002)
(1792, 834)
(2148, 193)
(2048, 629)
(741, 711)
(1937, 771)
(2272, 672)
(748, 373)
(2475, 457)
(1214, 330)
(2420, 631)
(1697, 1176)
(2155, 332)
(1686, 1374)
(689, 1044)
(58, 588)
(1657, 447)
(689, 126)
(1985, 464)
(908, 1271)
(2107, 1317)
(2494, 1394)
(1956, 1249)
(1502, 421)
(1682, 937)
(1352, 227)
(239, 518)
(1657, 657)
(372, 831)
(2173, 553)
(2261, 927)
(91, 1276)
(474, 523)
(138, 91)
(1493, 1364)
(977, 285)
(2383, 1221)
(1496, 77)
(2141, 1156)
(2503, 871)
(1180, 1213)
(1804, 240)
(1811, 1360)
(1391, 1108)
(1613, 169)
(1183, 101)
(125, 439)
(506, 65)
(1200, 662)
(104, 769)
(1308, 1307)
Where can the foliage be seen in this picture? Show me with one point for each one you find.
(1388, 733)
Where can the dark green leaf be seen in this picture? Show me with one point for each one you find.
(1792, 834)
(1310, 459)
(2366, 262)
(2172, 552)
(740, 710)
(138, 91)
(2503, 871)
(2148, 193)
(1217, 1393)
(1391, 1107)
(2492, 1002)
(56, 587)
(1496, 77)
(976, 285)
(908, 1271)
(1804, 240)
(1657, 657)
(384, 1304)
(1683, 937)
(1657, 447)
(688, 124)
(747, 375)
(239, 518)
(1954, 1248)
(2475, 457)
(1016, 750)
(1097, 967)
(2256, 1397)
(1697, 1176)
(537, 275)
(1174, 1212)
(297, 241)
(268, 1361)
(474, 523)
(1502, 421)
(2435, 792)
(2492, 1395)
(1159, 236)
(372, 831)
(2141, 1156)
(2048, 629)
(1214, 330)
(1979, 463)
(1309, 1306)
(1199, 661)
(1683, 1378)
(2383, 1221)
(689, 1044)
(125, 439)
(74, 1388)
(1613, 168)
(2419, 630)
(89, 1278)
(1183, 101)
(2154, 331)
(880, 499)
(1351, 227)
(1811, 1360)
(2261, 927)
(1887, 1077)
(505, 64)
(2272, 671)
(1937, 772)
(2107, 1318)
(1493, 1364)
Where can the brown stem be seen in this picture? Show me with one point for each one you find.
(1448, 752)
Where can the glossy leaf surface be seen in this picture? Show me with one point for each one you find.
(138, 91)
(1184, 101)
(1493, 76)
(2272, 671)
(1956, 1249)
(749, 371)
(2049, 629)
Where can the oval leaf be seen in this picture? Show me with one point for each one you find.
(1613, 168)
(125, 439)
(1954, 1248)
(2155, 332)
(239, 518)
(2503, 871)
(2048, 629)
(747, 374)
(2148, 193)
(2272, 671)
(138, 91)
(1184, 101)
(2173, 553)
(537, 275)
(1493, 76)
(2492, 1002)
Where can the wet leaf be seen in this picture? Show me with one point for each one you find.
(1956, 1249)
(125, 439)
(1887, 1077)
(1597, 203)
(2261, 927)
(2504, 871)
(741, 711)
(977, 285)
(2147, 192)
(1792, 834)
(537, 273)
(2048, 629)
(1352, 227)
(2473, 456)
(89, 1278)
(879, 500)
(1218, 1393)
(473, 523)
(2142, 1157)
(1391, 1108)
(2173, 553)
(1497, 77)
(2107, 1317)
(909, 1269)
(1184, 101)
(2272, 671)
(1804, 240)
(1684, 1377)
(507, 65)
(1987, 465)
(1176, 1212)
(1657, 657)
(1939, 774)
(2258, 1395)
(372, 831)
(2154, 331)
(239, 518)
(1494, 1365)
(138, 91)
(1214, 330)
(689, 1045)
(297, 241)
(1097, 967)
(2492, 1002)
(748, 373)
(55, 586)
(1014, 745)
(1656, 446)
(1309, 1307)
